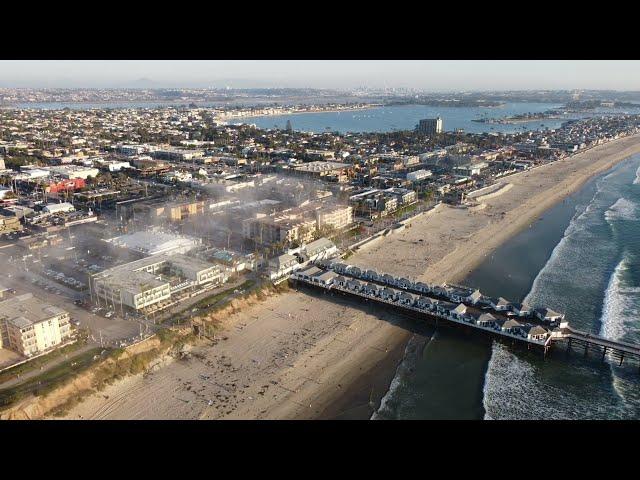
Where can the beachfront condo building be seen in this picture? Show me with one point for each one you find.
(29, 326)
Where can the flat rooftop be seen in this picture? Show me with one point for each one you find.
(25, 310)
(153, 242)
(321, 167)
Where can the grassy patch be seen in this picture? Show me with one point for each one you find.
(49, 380)
(36, 363)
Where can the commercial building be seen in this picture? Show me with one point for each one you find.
(152, 280)
(151, 211)
(374, 203)
(178, 154)
(62, 207)
(65, 185)
(430, 126)
(151, 242)
(418, 175)
(131, 150)
(471, 169)
(74, 171)
(278, 229)
(29, 326)
(337, 217)
(333, 171)
(403, 195)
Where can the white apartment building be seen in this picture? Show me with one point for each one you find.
(29, 326)
(338, 217)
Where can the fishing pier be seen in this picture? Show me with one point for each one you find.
(461, 306)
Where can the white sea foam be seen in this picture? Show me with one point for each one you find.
(637, 179)
(620, 311)
(623, 209)
(621, 304)
(513, 388)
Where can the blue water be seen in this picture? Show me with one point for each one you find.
(406, 117)
(582, 257)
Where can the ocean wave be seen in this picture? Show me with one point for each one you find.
(621, 304)
(620, 311)
(637, 179)
(518, 386)
(623, 209)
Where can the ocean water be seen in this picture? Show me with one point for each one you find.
(406, 117)
(582, 257)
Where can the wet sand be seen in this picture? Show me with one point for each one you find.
(309, 355)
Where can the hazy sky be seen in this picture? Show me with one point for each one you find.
(427, 75)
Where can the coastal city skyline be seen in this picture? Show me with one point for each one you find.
(432, 75)
(319, 240)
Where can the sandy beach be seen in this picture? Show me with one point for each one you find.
(308, 355)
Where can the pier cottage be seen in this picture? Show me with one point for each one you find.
(370, 275)
(326, 278)
(538, 333)
(438, 290)
(355, 271)
(487, 320)
(370, 289)
(459, 313)
(389, 294)
(388, 279)
(456, 294)
(444, 308)
(340, 281)
(406, 298)
(521, 309)
(474, 297)
(500, 305)
(513, 327)
(540, 330)
(309, 272)
(341, 268)
(549, 316)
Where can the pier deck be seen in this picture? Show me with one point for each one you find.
(464, 306)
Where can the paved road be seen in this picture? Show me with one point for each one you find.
(56, 361)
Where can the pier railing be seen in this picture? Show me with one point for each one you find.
(428, 300)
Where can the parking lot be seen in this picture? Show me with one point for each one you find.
(24, 275)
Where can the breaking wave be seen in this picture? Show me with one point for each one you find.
(620, 313)
(623, 209)
(519, 387)
(621, 304)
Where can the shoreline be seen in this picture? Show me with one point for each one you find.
(223, 118)
(383, 376)
(309, 356)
